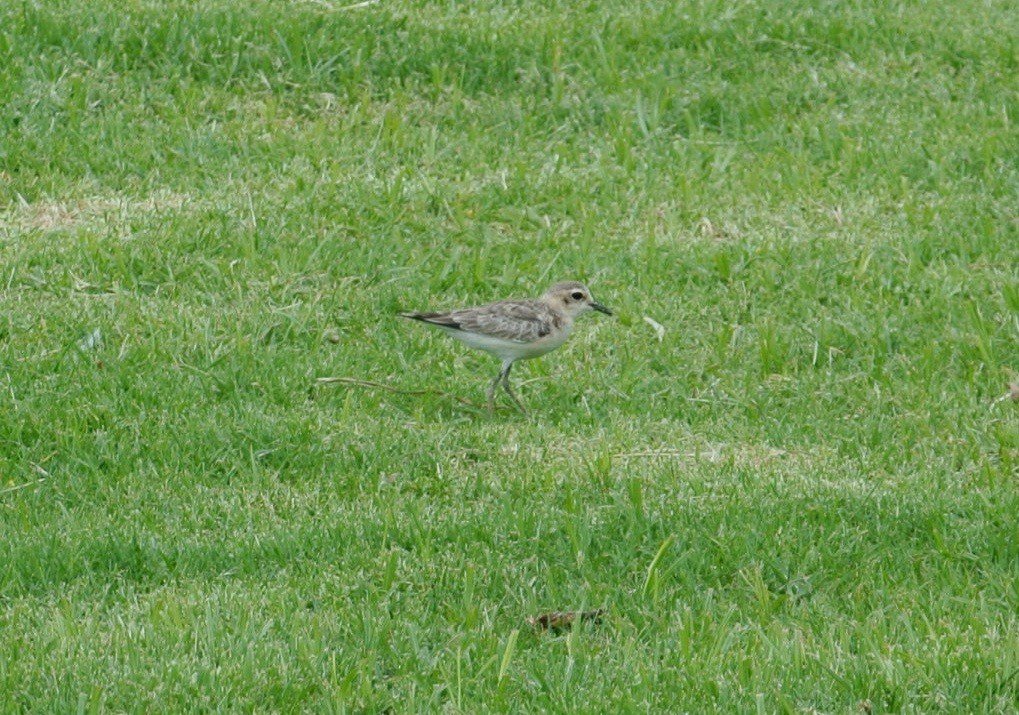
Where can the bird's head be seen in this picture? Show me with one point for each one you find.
(574, 298)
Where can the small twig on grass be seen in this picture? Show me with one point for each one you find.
(389, 388)
(341, 8)
(711, 455)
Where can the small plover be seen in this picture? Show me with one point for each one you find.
(516, 329)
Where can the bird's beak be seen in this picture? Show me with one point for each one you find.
(601, 308)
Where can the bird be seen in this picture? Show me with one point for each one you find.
(515, 329)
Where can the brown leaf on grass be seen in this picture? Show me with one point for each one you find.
(1013, 391)
(557, 621)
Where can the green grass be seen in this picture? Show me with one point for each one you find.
(801, 498)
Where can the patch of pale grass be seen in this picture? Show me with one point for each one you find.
(91, 211)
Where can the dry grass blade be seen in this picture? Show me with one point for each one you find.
(1012, 394)
(656, 326)
(24, 485)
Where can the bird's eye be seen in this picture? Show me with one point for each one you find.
(577, 295)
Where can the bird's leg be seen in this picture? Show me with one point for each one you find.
(491, 392)
(504, 376)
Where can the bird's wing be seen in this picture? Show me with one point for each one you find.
(520, 321)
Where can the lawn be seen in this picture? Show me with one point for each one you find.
(787, 468)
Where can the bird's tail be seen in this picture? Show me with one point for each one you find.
(443, 320)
